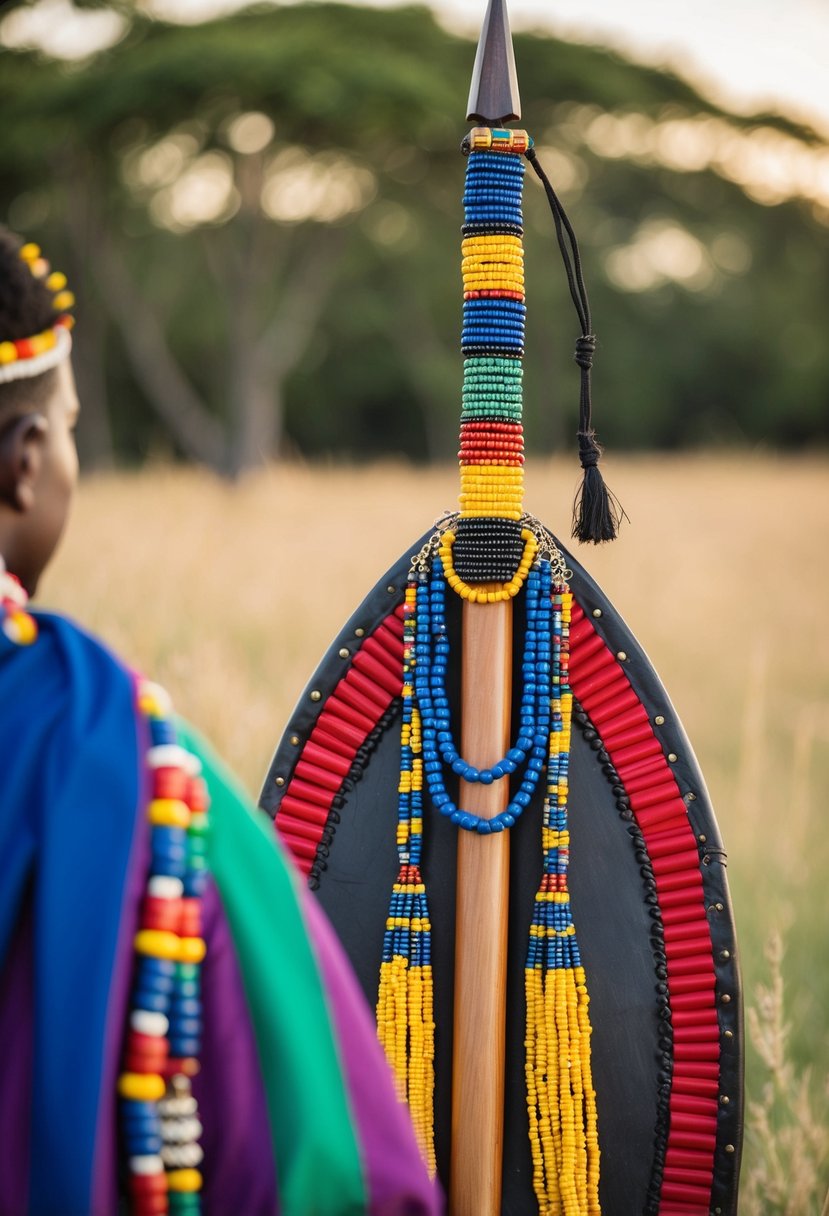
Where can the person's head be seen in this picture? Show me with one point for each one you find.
(38, 410)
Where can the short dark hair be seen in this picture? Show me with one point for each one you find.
(26, 308)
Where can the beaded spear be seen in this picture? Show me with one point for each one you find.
(669, 1145)
(487, 556)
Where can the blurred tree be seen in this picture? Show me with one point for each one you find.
(260, 215)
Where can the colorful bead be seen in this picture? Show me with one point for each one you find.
(560, 1097)
(405, 1003)
(492, 341)
(22, 358)
(164, 1037)
(493, 552)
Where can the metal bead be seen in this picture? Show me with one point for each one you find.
(359, 633)
(724, 1099)
(391, 588)
(316, 695)
(701, 838)
(673, 757)
(725, 954)
(279, 781)
(729, 1148)
(659, 720)
(295, 740)
(728, 1034)
(725, 998)
(621, 656)
(343, 652)
(690, 797)
(597, 612)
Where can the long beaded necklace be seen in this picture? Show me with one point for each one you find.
(438, 745)
(158, 1113)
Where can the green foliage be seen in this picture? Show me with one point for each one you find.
(730, 352)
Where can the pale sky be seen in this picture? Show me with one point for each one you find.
(750, 54)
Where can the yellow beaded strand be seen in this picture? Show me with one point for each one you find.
(561, 1100)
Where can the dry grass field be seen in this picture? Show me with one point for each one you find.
(229, 595)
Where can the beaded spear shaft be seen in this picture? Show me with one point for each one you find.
(661, 1137)
(493, 277)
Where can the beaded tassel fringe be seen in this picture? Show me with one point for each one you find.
(560, 1097)
(405, 1003)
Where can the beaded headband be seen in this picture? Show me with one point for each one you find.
(24, 358)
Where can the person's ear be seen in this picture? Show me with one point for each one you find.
(21, 454)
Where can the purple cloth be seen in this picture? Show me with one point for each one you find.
(17, 1038)
(105, 1180)
(391, 1163)
(239, 1172)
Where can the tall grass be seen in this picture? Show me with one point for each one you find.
(786, 1134)
(230, 596)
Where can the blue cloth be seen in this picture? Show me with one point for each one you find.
(69, 752)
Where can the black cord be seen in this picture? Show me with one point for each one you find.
(597, 513)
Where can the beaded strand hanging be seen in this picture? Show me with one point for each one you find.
(158, 1113)
(405, 1017)
(560, 1097)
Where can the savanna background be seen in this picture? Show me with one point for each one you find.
(259, 215)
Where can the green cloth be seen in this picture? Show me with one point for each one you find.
(312, 1129)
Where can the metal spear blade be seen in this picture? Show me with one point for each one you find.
(493, 95)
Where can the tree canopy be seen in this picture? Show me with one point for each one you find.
(260, 217)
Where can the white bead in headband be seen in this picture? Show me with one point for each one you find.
(35, 365)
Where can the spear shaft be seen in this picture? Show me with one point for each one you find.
(481, 921)
(483, 860)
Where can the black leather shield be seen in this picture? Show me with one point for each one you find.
(648, 883)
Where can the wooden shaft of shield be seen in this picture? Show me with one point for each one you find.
(481, 921)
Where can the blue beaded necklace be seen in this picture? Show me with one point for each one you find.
(431, 662)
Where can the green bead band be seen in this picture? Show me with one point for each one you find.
(494, 363)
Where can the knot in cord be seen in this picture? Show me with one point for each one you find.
(585, 350)
(590, 450)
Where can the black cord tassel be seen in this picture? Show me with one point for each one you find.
(597, 513)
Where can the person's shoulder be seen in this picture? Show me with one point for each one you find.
(77, 648)
(55, 662)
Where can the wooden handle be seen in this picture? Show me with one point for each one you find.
(481, 921)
